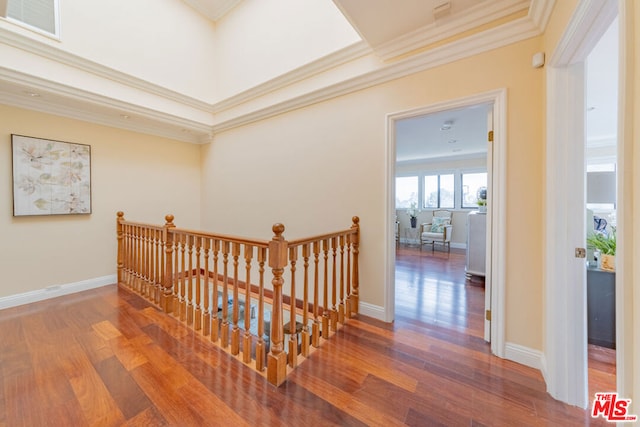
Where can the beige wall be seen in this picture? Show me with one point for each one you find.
(314, 168)
(142, 175)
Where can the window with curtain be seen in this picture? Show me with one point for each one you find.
(40, 14)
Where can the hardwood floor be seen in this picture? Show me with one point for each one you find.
(106, 357)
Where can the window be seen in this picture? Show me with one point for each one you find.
(439, 191)
(471, 183)
(406, 192)
(38, 14)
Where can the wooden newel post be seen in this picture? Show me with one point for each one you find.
(277, 358)
(355, 284)
(120, 234)
(166, 299)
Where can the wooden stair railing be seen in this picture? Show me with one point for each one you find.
(196, 277)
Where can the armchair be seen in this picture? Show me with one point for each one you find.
(439, 230)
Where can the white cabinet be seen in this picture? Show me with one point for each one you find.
(476, 243)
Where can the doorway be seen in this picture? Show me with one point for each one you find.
(565, 370)
(495, 268)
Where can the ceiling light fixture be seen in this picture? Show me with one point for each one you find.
(452, 141)
(441, 10)
(125, 116)
(32, 94)
(447, 125)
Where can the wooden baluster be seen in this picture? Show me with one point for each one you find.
(293, 336)
(150, 277)
(206, 320)
(341, 306)
(159, 266)
(235, 330)
(315, 328)
(142, 284)
(260, 347)
(348, 300)
(224, 328)
(325, 290)
(190, 242)
(246, 344)
(136, 239)
(215, 320)
(121, 252)
(183, 277)
(333, 316)
(177, 301)
(148, 286)
(166, 301)
(128, 264)
(305, 303)
(356, 276)
(197, 322)
(277, 359)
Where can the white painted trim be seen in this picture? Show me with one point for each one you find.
(496, 213)
(214, 10)
(370, 310)
(524, 355)
(475, 17)
(511, 32)
(564, 276)
(54, 291)
(333, 60)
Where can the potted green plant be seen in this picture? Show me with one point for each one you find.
(606, 245)
(481, 199)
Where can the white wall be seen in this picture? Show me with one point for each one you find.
(162, 41)
(262, 39)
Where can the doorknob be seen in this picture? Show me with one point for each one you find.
(581, 253)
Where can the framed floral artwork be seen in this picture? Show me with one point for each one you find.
(50, 177)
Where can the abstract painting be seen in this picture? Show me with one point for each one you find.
(50, 177)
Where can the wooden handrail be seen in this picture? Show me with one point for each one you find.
(196, 276)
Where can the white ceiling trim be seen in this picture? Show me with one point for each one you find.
(506, 34)
(214, 10)
(333, 60)
(480, 15)
(194, 132)
(512, 32)
(53, 53)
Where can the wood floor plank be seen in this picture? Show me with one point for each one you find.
(108, 357)
(126, 393)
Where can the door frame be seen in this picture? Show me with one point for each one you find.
(565, 360)
(496, 212)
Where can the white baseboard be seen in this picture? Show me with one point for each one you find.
(371, 310)
(54, 291)
(524, 355)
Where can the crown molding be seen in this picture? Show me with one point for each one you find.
(509, 33)
(214, 10)
(56, 54)
(440, 30)
(171, 126)
(333, 60)
(144, 120)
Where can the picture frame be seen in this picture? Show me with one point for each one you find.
(50, 177)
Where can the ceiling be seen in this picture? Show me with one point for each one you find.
(442, 135)
(390, 28)
(213, 9)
